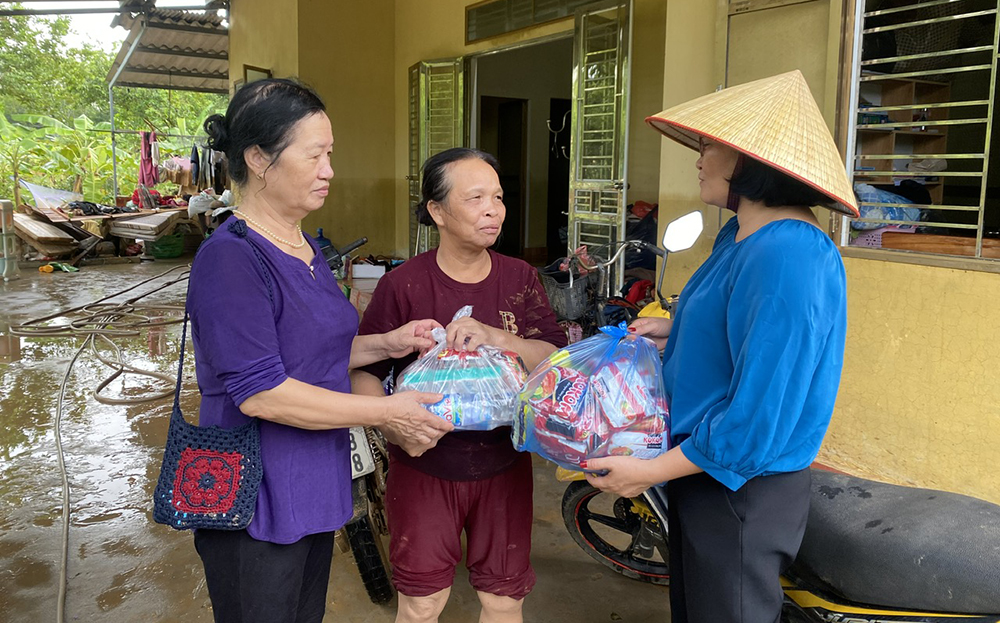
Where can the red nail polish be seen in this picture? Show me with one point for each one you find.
(583, 464)
(631, 329)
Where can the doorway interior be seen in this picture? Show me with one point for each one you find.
(521, 114)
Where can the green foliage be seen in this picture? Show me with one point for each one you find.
(55, 115)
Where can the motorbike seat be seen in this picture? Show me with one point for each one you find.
(901, 547)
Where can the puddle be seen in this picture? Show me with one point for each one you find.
(121, 564)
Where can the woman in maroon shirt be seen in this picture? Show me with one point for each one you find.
(471, 481)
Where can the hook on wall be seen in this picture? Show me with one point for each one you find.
(555, 148)
(548, 124)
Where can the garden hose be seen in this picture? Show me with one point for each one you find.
(95, 321)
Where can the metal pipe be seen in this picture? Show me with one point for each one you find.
(914, 57)
(926, 22)
(854, 99)
(111, 100)
(871, 109)
(987, 134)
(924, 73)
(920, 124)
(921, 206)
(913, 156)
(910, 7)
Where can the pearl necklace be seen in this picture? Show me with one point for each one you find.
(295, 245)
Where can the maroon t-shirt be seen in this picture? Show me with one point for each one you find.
(510, 298)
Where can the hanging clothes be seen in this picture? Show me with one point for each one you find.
(147, 170)
(221, 173)
(194, 165)
(154, 149)
(205, 173)
(177, 170)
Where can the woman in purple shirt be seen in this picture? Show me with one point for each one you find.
(274, 338)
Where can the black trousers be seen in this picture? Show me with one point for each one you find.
(727, 548)
(253, 581)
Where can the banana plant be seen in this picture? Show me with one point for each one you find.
(17, 145)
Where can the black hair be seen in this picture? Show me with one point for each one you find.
(436, 185)
(761, 182)
(261, 113)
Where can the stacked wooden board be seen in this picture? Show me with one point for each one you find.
(45, 237)
(148, 227)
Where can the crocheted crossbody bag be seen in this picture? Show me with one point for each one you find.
(210, 475)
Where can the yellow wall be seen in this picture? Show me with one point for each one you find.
(920, 399)
(646, 98)
(350, 66)
(687, 73)
(264, 34)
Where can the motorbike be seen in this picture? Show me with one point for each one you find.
(604, 309)
(872, 552)
(369, 467)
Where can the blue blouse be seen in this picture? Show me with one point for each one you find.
(753, 363)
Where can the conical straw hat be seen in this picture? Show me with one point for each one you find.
(775, 120)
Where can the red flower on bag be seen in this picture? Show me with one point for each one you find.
(207, 481)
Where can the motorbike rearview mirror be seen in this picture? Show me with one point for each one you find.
(682, 233)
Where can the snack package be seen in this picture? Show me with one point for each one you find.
(480, 387)
(599, 397)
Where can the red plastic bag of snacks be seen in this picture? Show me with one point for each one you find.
(480, 387)
(602, 396)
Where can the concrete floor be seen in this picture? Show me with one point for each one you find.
(124, 567)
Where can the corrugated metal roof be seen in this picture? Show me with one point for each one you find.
(181, 50)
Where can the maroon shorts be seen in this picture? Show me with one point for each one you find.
(427, 516)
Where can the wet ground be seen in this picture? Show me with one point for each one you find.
(124, 567)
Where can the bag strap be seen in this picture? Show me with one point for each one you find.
(180, 364)
(187, 314)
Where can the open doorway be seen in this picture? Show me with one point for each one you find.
(520, 113)
(503, 132)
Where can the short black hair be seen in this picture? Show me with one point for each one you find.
(435, 185)
(261, 113)
(761, 182)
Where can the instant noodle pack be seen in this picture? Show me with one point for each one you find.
(602, 396)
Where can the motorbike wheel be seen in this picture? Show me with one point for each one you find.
(371, 559)
(591, 528)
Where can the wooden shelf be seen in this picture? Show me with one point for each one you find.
(876, 141)
(946, 245)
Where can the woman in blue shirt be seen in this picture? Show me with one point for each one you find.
(752, 359)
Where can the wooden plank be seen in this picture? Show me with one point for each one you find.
(85, 248)
(147, 225)
(53, 215)
(79, 233)
(42, 232)
(933, 243)
(80, 219)
(52, 250)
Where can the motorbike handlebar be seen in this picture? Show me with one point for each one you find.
(334, 258)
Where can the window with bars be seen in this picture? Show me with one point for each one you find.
(922, 128)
